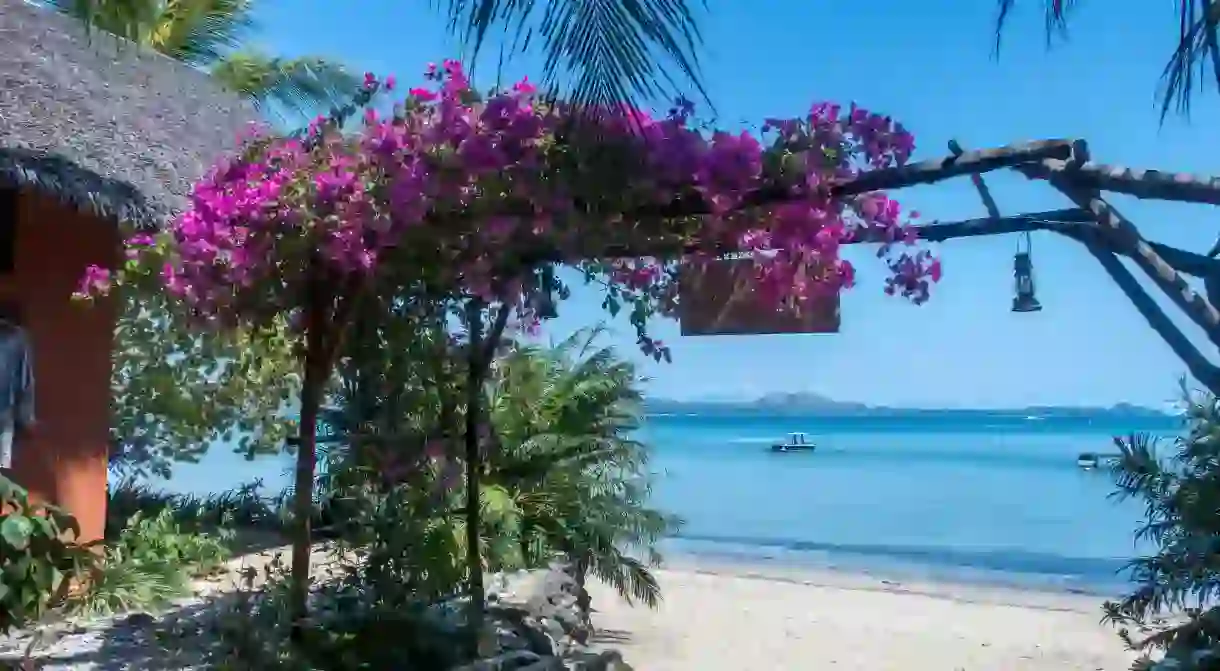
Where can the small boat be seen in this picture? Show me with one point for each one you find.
(1091, 460)
(797, 442)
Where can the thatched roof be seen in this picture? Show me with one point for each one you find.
(118, 131)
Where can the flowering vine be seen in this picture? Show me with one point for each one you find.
(471, 196)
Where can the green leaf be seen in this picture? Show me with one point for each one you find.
(16, 531)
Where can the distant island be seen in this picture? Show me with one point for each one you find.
(808, 403)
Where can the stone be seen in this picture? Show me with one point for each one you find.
(607, 660)
(138, 620)
(509, 661)
(538, 621)
(546, 664)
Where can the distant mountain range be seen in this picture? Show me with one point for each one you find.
(808, 403)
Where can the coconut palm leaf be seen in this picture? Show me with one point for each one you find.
(298, 85)
(132, 20)
(1197, 51)
(196, 32)
(609, 51)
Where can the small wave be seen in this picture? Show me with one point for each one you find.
(753, 439)
(989, 565)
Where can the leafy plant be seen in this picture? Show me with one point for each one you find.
(39, 558)
(119, 584)
(239, 508)
(175, 391)
(1178, 481)
(356, 624)
(564, 418)
(160, 539)
(150, 563)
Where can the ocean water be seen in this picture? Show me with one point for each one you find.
(992, 499)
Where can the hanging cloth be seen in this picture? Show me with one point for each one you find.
(16, 387)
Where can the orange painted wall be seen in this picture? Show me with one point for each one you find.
(63, 459)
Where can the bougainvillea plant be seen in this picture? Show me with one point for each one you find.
(464, 188)
(461, 196)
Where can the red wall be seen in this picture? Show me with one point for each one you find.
(63, 459)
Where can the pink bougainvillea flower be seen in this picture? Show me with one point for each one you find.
(453, 179)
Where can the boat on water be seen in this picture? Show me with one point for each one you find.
(1091, 460)
(796, 442)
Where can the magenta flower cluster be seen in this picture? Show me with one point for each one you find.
(456, 183)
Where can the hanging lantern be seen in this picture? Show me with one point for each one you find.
(1023, 274)
(543, 298)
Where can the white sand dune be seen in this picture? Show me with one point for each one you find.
(731, 620)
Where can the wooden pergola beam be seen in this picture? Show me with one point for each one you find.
(967, 163)
(1147, 184)
(691, 204)
(1198, 365)
(1119, 232)
(1073, 223)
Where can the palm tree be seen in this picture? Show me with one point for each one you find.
(211, 35)
(604, 52)
(1198, 48)
(563, 421)
(1174, 603)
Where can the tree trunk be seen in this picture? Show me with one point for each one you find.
(316, 368)
(474, 408)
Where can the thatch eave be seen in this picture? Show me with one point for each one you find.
(81, 189)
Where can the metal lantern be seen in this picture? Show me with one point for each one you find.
(1023, 274)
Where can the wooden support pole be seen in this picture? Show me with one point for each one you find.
(979, 185)
(1119, 232)
(1200, 368)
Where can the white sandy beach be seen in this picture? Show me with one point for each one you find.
(726, 618)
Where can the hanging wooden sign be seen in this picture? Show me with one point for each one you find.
(717, 299)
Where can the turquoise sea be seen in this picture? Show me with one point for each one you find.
(992, 498)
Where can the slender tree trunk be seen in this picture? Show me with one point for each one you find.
(316, 370)
(474, 406)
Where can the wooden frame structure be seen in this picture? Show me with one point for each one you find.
(1064, 164)
(1093, 222)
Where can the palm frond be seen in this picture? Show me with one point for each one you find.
(201, 32)
(297, 85)
(132, 20)
(196, 32)
(1186, 71)
(610, 51)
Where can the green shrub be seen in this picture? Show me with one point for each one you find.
(38, 563)
(242, 507)
(162, 539)
(150, 563)
(352, 627)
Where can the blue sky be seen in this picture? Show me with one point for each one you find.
(928, 64)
